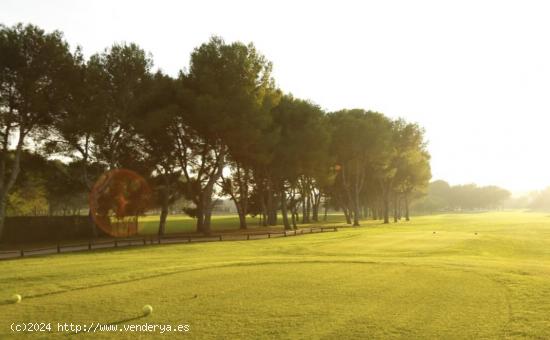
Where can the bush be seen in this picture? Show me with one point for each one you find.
(26, 229)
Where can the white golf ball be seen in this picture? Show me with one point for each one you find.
(16, 298)
(147, 309)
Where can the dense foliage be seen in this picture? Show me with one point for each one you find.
(222, 128)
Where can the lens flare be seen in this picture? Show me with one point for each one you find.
(117, 199)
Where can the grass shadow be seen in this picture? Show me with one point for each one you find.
(7, 302)
(119, 322)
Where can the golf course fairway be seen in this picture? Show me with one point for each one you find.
(454, 276)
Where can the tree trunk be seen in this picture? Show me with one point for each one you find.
(400, 208)
(356, 207)
(241, 200)
(2, 214)
(207, 220)
(395, 208)
(6, 186)
(271, 210)
(241, 211)
(284, 211)
(207, 192)
(206, 209)
(242, 220)
(92, 223)
(304, 207)
(315, 206)
(244, 210)
(407, 208)
(163, 216)
(308, 208)
(264, 211)
(386, 209)
(293, 218)
(200, 216)
(208, 205)
(273, 216)
(346, 214)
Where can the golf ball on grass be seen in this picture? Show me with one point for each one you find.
(147, 309)
(16, 298)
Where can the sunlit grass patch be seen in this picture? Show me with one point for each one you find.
(377, 281)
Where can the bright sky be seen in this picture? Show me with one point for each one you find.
(475, 74)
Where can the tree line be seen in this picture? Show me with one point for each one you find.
(535, 201)
(441, 196)
(222, 127)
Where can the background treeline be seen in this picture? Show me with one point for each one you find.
(535, 200)
(443, 197)
(220, 128)
(539, 200)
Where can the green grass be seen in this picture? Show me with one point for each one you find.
(377, 281)
(186, 224)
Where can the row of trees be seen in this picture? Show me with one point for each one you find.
(220, 128)
(443, 197)
(538, 200)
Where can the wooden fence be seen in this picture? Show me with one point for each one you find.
(145, 240)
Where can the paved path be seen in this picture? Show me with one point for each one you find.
(167, 239)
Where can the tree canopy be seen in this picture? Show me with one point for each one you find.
(221, 128)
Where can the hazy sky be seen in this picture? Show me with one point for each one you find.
(475, 74)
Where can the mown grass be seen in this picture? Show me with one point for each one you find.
(433, 277)
(186, 224)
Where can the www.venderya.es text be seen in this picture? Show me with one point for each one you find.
(70, 327)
